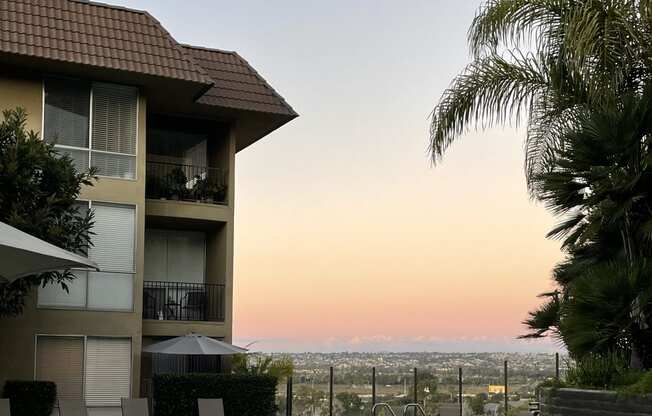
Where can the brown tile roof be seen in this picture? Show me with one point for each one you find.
(116, 38)
(237, 84)
(94, 34)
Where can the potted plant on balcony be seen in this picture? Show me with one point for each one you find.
(155, 187)
(212, 192)
(218, 192)
(176, 184)
(199, 189)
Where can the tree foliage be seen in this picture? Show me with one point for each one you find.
(38, 193)
(599, 184)
(351, 403)
(476, 403)
(544, 62)
(577, 72)
(259, 365)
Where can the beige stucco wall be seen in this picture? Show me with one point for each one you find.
(17, 335)
(17, 342)
(25, 93)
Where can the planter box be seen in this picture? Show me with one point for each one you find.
(577, 402)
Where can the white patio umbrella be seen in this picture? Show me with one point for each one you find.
(22, 254)
(194, 344)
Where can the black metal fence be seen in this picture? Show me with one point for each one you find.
(186, 183)
(179, 301)
(413, 400)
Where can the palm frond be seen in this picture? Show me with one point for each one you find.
(545, 319)
(490, 90)
(511, 22)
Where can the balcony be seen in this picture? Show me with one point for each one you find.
(186, 183)
(180, 301)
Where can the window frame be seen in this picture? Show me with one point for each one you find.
(90, 149)
(84, 373)
(133, 273)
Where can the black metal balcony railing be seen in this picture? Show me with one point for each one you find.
(178, 301)
(186, 183)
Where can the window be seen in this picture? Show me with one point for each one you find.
(113, 251)
(175, 256)
(108, 369)
(61, 360)
(97, 370)
(94, 123)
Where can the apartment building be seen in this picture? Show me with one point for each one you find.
(161, 122)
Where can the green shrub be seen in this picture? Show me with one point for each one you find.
(602, 371)
(243, 395)
(642, 387)
(30, 398)
(552, 383)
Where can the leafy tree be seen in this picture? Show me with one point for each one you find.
(351, 403)
(477, 404)
(38, 193)
(428, 392)
(258, 364)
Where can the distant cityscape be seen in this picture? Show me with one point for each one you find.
(437, 381)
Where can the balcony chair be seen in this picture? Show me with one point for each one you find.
(149, 303)
(4, 407)
(72, 408)
(134, 407)
(210, 407)
(195, 305)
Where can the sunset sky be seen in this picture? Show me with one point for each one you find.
(346, 237)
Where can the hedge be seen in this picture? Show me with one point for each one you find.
(30, 398)
(243, 395)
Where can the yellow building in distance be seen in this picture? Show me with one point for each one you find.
(496, 389)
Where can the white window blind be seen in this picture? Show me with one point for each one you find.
(108, 371)
(110, 291)
(186, 256)
(156, 255)
(113, 251)
(53, 295)
(67, 104)
(114, 130)
(110, 143)
(61, 360)
(66, 118)
(114, 165)
(176, 256)
(113, 242)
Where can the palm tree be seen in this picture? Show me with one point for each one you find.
(545, 62)
(577, 73)
(600, 182)
(597, 315)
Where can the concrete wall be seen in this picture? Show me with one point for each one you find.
(576, 402)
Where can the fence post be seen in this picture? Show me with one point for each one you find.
(330, 393)
(459, 393)
(288, 398)
(506, 401)
(557, 366)
(373, 386)
(416, 393)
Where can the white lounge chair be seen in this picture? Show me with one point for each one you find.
(72, 408)
(134, 407)
(210, 407)
(4, 407)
